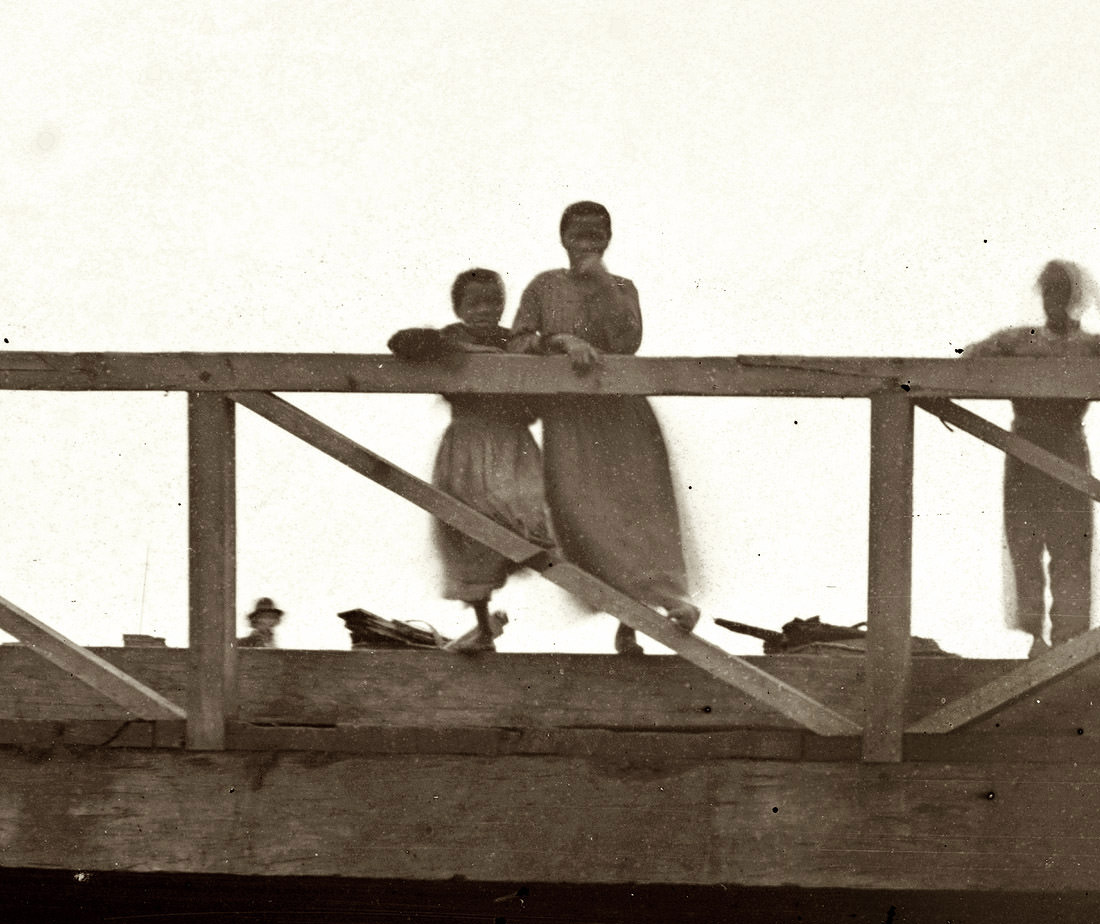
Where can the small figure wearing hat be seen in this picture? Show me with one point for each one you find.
(263, 619)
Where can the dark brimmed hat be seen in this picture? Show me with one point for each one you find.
(264, 606)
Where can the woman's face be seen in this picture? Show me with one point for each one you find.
(585, 235)
(480, 306)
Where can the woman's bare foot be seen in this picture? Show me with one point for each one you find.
(685, 615)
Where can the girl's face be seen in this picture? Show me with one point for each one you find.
(481, 306)
(584, 236)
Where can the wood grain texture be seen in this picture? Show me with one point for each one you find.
(889, 575)
(212, 567)
(793, 376)
(432, 689)
(601, 819)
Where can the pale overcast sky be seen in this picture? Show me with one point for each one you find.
(837, 178)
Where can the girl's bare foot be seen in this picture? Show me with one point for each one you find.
(626, 642)
(472, 643)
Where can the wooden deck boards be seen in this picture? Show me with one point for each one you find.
(421, 765)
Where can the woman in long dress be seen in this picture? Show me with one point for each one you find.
(487, 457)
(605, 464)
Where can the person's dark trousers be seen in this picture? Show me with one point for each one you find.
(1041, 514)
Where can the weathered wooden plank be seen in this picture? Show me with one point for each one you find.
(763, 744)
(31, 733)
(89, 668)
(991, 748)
(641, 748)
(389, 699)
(1013, 445)
(889, 575)
(540, 691)
(746, 677)
(429, 688)
(544, 818)
(802, 376)
(1027, 678)
(212, 566)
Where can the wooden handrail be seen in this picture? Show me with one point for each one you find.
(762, 376)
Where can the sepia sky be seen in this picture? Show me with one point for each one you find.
(831, 178)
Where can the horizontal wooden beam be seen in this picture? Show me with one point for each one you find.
(1032, 675)
(1016, 446)
(748, 678)
(102, 676)
(435, 689)
(101, 733)
(534, 818)
(764, 376)
(626, 744)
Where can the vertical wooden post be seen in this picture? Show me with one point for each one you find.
(889, 575)
(212, 564)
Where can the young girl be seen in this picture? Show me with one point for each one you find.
(607, 475)
(487, 458)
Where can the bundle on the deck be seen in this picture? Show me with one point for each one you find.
(371, 631)
(807, 636)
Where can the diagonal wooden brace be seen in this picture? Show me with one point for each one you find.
(746, 677)
(87, 667)
(1032, 675)
(1012, 444)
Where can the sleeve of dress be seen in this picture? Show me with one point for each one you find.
(619, 323)
(995, 345)
(418, 344)
(527, 327)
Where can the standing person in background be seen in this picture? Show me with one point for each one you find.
(606, 466)
(265, 616)
(1040, 513)
(487, 457)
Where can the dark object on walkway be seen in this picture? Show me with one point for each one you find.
(136, 640)
(796, 633)
(371, 631)
(811, 636)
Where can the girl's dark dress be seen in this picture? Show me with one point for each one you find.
(487, 459)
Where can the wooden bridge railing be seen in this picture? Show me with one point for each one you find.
(217, 382)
